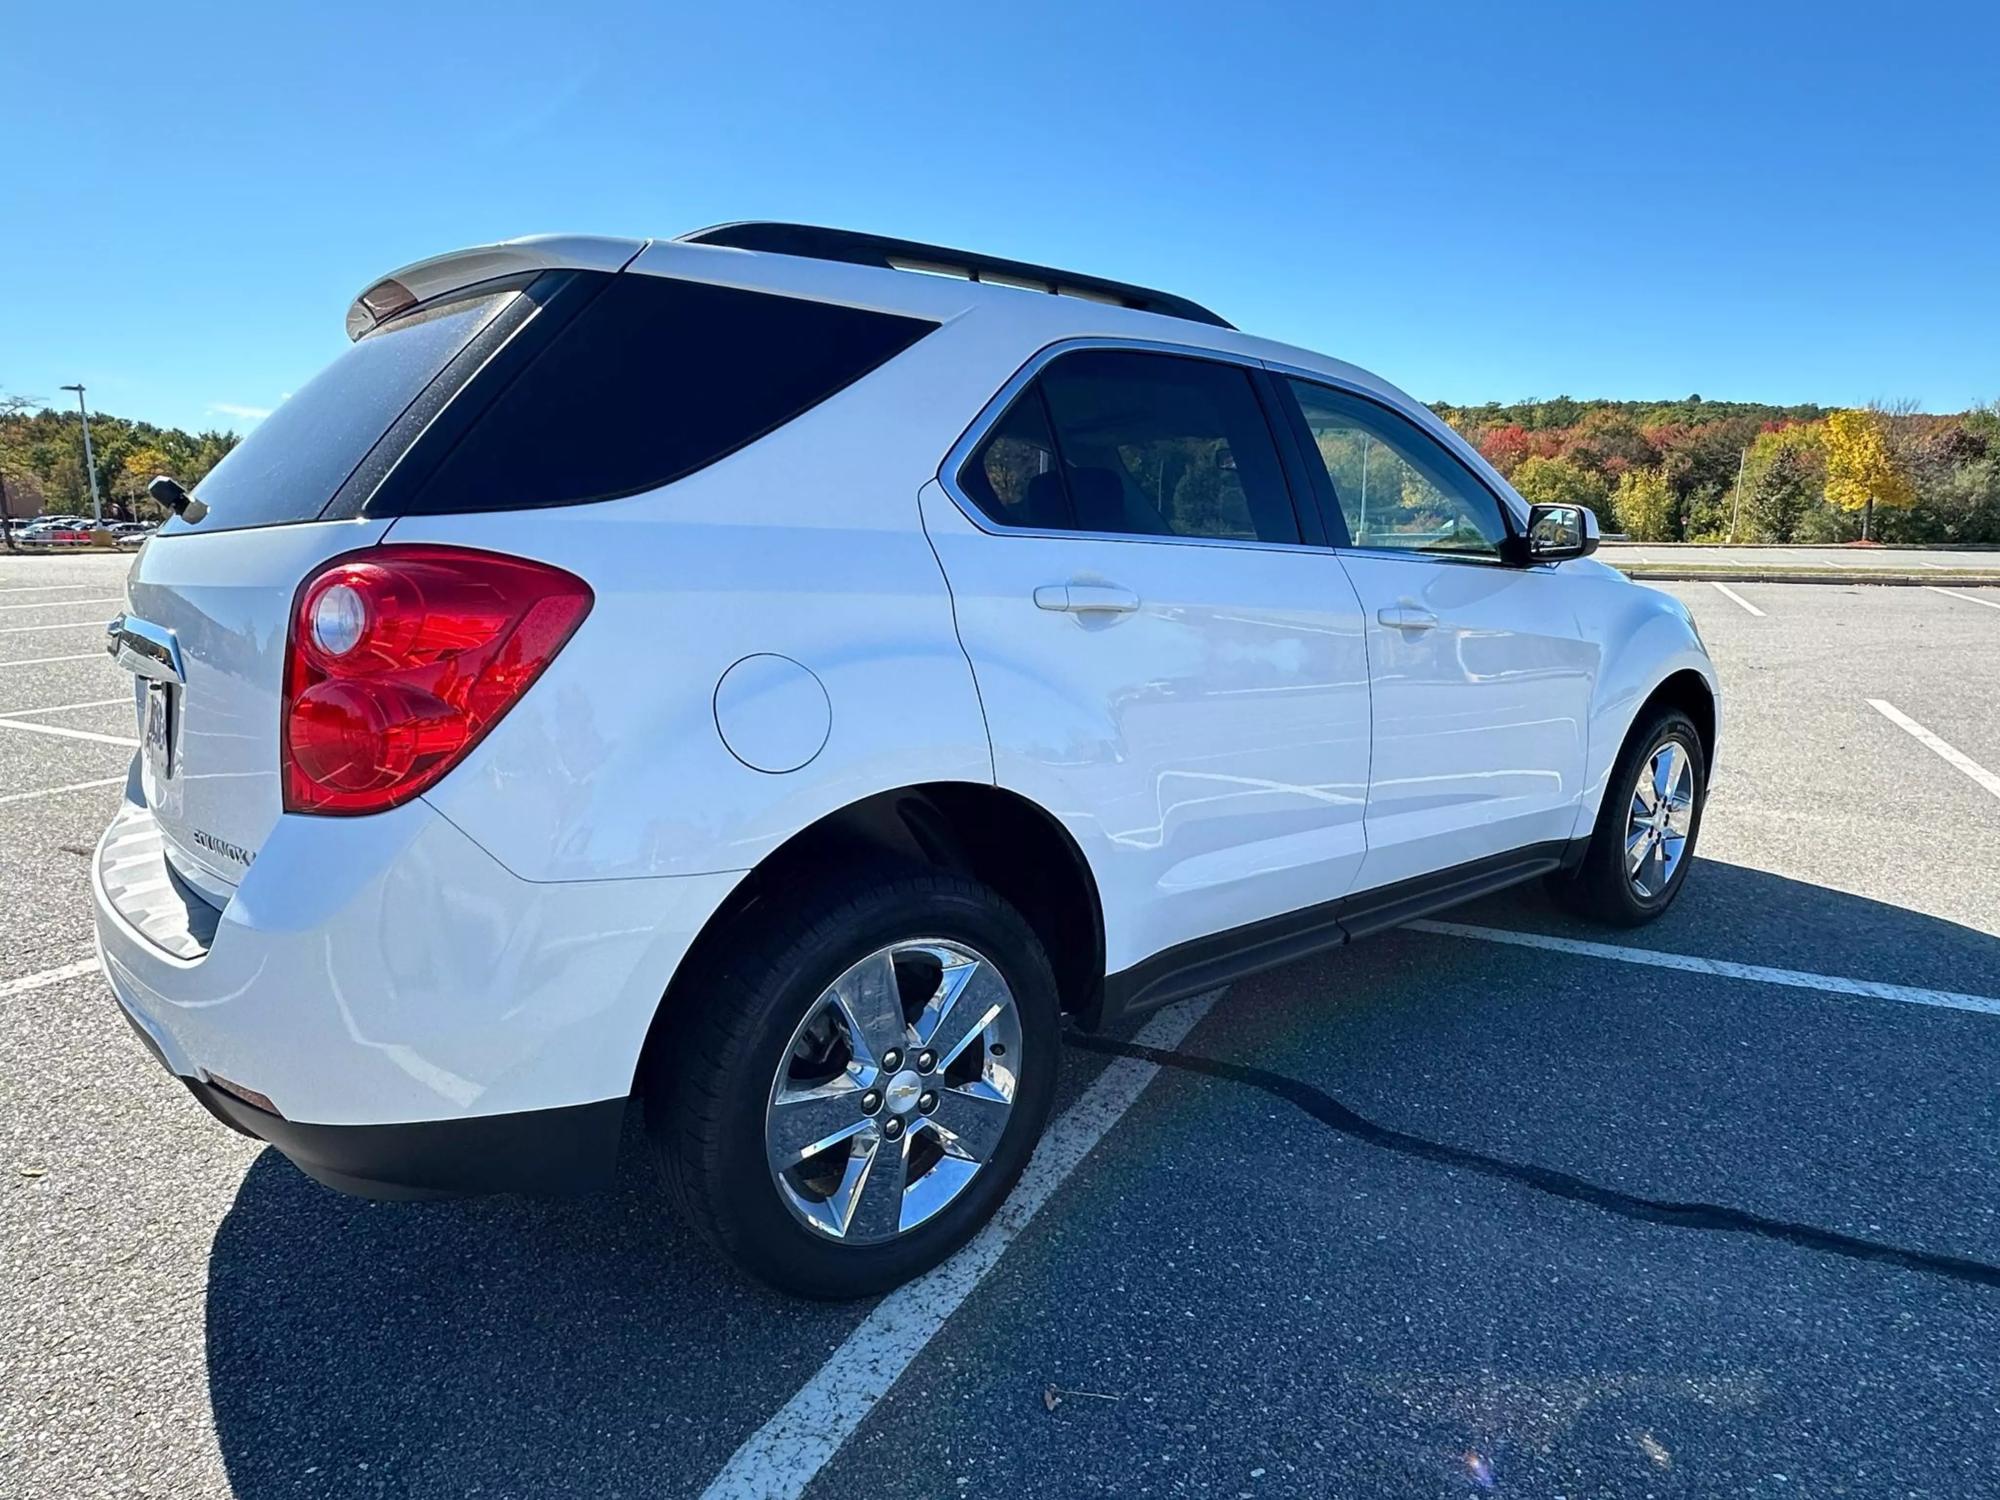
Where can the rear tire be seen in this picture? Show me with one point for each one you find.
(1639, 854)
(783, 1129)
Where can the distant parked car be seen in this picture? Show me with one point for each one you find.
(50, 531)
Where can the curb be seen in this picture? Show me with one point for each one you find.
(1667, 574)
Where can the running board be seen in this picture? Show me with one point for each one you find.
(1203, 963)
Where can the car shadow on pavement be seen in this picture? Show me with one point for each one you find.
(1751, 916)
(593, 1346)
(500, 1346)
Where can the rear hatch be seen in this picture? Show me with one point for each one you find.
(210, 599)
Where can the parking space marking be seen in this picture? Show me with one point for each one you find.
(47, 977)
(70, 625)
(69, 734)
(51, 791)
(1949, 754)
(59, 603)
(785, 1455)
(49, 661)
(1688, 963)
(48, 588)
(1735, 598)
(63, 708)
(1932, 588)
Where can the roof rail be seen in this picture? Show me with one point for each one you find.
(856, 249)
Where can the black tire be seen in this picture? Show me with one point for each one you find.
(708, 1077)
(1600, 888)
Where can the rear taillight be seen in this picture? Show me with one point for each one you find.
(401, 658)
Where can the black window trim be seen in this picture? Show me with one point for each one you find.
(1275, 421)
(1508, 555)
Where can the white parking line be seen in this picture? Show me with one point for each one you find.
(1735, 598)
(1947, 753)
(59, 603)
(48, 976)
(49, 661)
(49, 588)
(63, 708)
(68, 734)
(50, 791)
(1932, 588)
(97, 625)
(784, 1455)
(1832, 984)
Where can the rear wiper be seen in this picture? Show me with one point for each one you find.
(170, 494)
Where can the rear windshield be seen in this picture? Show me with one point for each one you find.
(293, 461)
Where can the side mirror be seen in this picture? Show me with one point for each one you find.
(1559, 532)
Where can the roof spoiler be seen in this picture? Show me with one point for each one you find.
(427, 280)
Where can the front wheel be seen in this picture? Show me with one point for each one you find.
(1643, 844)
(864, 1080)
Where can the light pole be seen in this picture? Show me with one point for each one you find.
(89, 462)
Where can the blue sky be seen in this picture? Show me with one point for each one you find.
(1753, 202)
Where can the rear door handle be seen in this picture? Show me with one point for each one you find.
(1406, 617)
(1086, 598)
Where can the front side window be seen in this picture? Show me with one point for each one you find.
(1398, 488)
(1132, 443)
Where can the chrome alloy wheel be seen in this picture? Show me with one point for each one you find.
(894, 1091)
(1656, 830)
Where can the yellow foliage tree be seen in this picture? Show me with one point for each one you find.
(1861, 468)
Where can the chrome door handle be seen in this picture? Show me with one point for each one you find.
(1406, 617)
(1086, 598)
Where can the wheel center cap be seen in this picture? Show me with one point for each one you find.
(903, 1092)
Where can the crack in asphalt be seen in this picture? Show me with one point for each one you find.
(1330, 1112)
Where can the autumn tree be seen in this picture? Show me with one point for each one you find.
(1557, 481)
(1645, 506)
(1610, 442)
(1861, 470)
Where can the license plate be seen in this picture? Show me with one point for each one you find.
(158, 739)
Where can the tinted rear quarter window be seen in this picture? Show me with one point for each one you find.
(652, 380)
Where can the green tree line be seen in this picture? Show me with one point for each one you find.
(41, 460)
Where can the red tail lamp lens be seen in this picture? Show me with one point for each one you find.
(400, 660)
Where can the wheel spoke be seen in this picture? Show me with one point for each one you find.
(873, 1206)
(808, 1121)
(868, 998)
(1663, 767)
(967, 1002)
(970, 1119)
(1644, 800)
(1636, 846)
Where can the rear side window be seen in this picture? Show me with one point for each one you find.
(294, 461)
(1134, 443)
(650, 381)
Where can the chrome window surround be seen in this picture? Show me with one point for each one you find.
(990, 414)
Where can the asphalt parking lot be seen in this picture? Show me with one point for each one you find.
(1514, 1206)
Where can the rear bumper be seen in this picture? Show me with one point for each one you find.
(421, 1020)
(543, 1151)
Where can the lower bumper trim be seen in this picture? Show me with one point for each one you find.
(543, 1152)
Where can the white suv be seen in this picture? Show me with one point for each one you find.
(746, 675)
